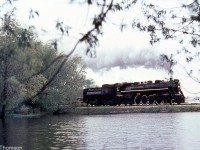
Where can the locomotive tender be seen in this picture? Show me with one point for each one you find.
(158, 92)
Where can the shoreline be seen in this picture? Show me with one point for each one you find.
(107, 110)
(104, 110)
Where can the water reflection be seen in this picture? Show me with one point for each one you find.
(136, 131)
(125, 131)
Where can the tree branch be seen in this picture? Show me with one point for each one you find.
(102, 16)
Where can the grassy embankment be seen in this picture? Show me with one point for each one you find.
(131, 109)
(117, 110)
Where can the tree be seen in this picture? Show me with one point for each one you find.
(7, 51)
(180, 23)
(66, 87)
(89, 83)
(90, 38)
(25, 69)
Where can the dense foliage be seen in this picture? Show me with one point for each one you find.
(26, 65)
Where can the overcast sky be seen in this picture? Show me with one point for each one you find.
(121, 57)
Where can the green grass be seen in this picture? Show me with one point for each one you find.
(134, 109)
(118, 110)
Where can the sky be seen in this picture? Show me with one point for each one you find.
(121, 56)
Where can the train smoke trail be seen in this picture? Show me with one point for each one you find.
(146, 58)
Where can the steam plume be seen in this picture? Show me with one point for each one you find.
(127, 58)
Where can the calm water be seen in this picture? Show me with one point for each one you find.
(158, 131)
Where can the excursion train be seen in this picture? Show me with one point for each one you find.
(136, 93)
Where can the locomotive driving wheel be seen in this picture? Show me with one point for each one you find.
(158, 100)
(144, 99)
(137, 100)
(151, 99)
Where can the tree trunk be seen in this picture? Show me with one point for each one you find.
(5, 87)
(3, 112)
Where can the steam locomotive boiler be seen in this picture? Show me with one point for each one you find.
(158, 92)
(152, 93)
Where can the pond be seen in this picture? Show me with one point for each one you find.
(149, 131)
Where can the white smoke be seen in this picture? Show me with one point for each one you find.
(146, 58)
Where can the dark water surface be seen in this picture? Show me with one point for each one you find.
(149, 131)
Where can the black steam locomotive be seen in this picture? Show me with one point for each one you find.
(136, 93)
